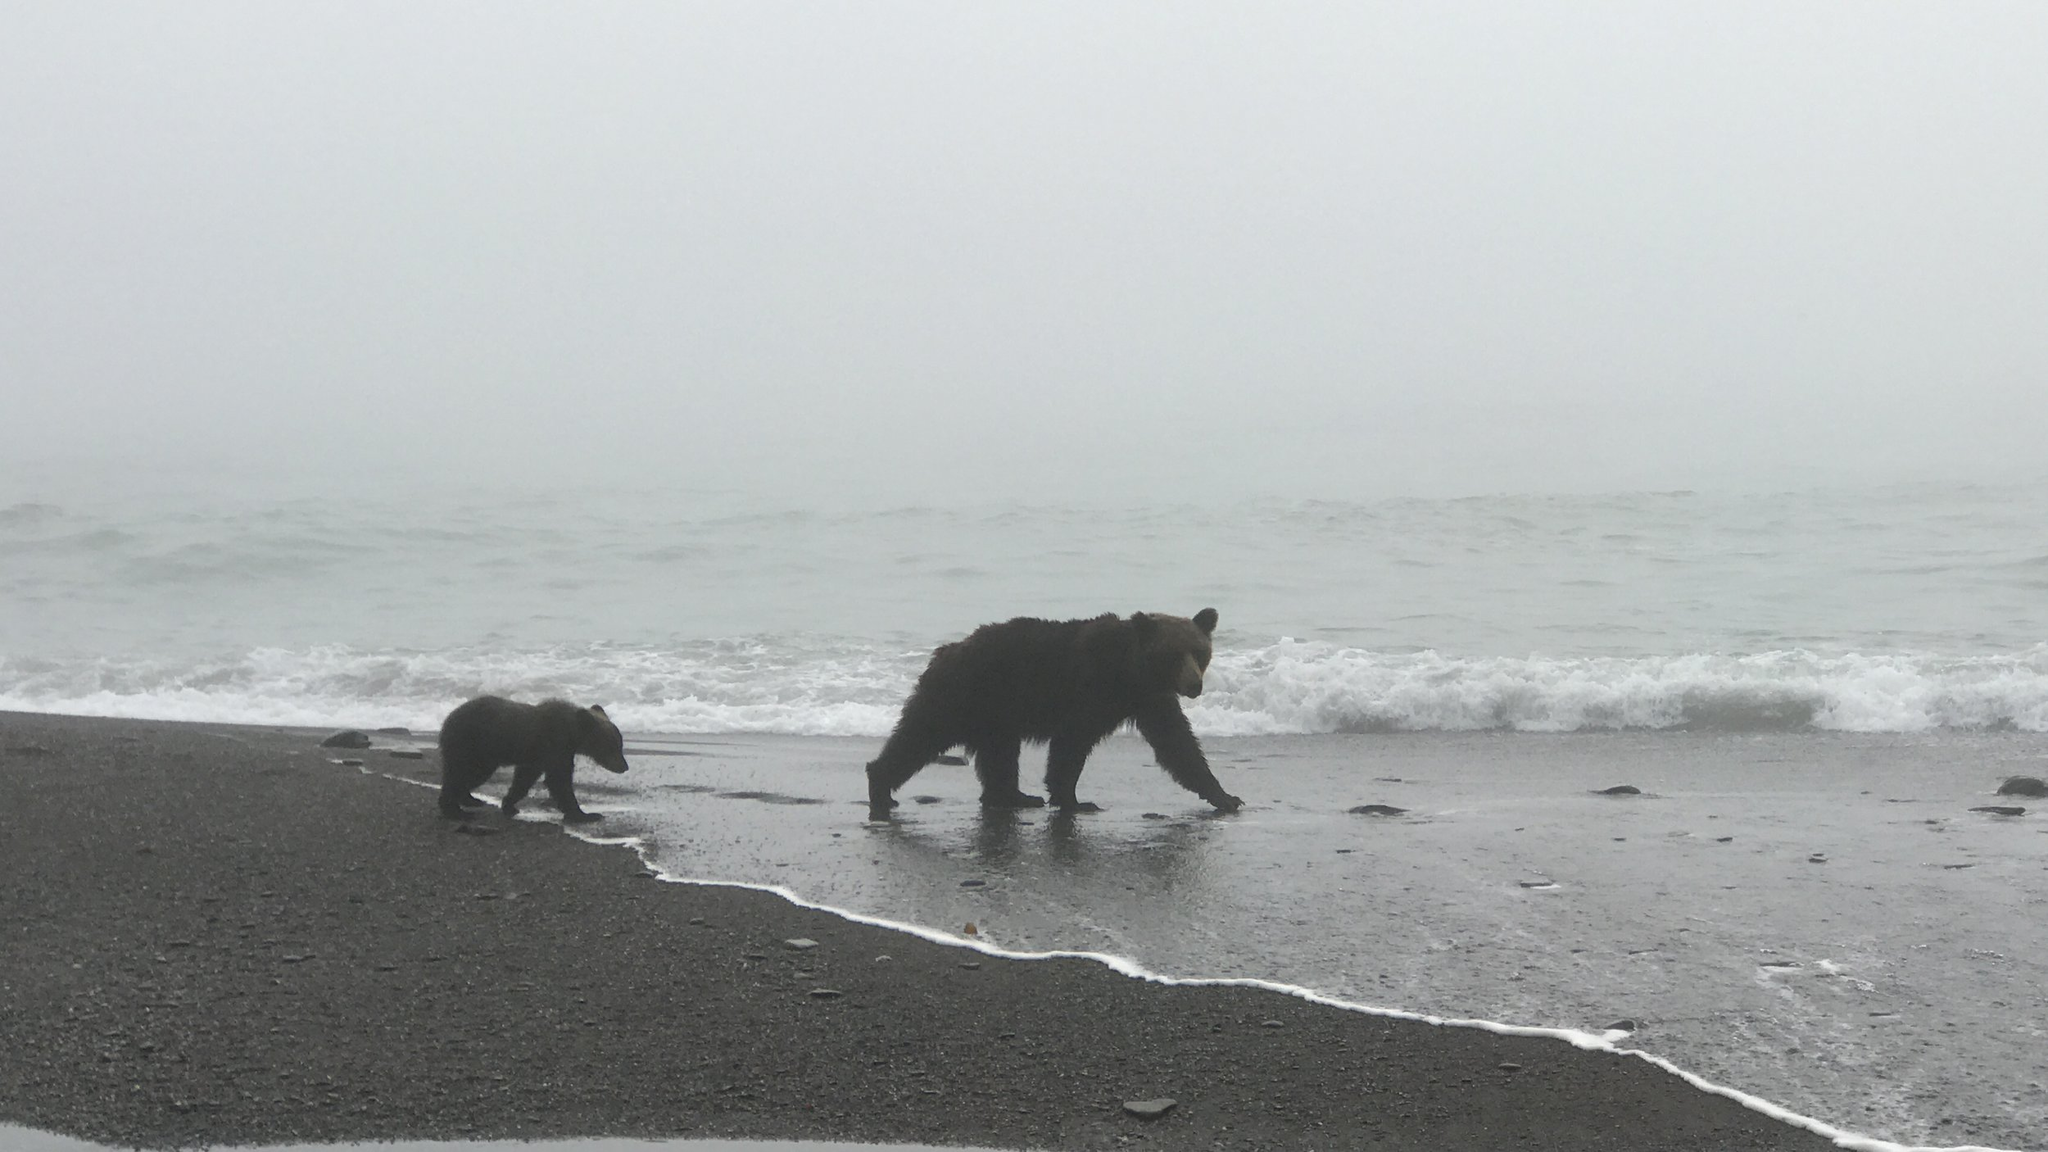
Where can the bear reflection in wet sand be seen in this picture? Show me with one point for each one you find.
(1065, 683)
(540, 741)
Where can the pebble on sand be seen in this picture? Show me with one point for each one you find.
(2023, 786)
(1378, 810)
(1619, 790)
(1150, 1109)
(800, 944)
(2000, 809)
(407, 754)
(347, 738)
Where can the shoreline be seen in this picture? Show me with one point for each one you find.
(222, 936)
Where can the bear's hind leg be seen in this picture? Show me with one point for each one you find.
(458, 776)
(562, 787)
(995, 764)
(523, 777)
(1064, 758)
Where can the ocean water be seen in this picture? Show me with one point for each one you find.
(1904, 609)
(1813, 688)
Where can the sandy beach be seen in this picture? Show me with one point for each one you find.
(217, 935)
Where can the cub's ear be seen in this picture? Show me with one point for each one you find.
(1206, 620)
(1142, 623)
(599, 708)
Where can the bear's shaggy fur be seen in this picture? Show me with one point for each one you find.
(540, 741)
(1065, 683)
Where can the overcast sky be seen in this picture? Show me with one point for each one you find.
(1173, 250)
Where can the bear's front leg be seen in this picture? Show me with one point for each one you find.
(1165, 727)
(562, 787)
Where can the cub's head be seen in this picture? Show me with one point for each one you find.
(1173, 651)
(599, 739)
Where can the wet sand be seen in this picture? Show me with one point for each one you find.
(1819, 920)
(217, 935)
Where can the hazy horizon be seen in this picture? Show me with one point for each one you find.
(922, 252)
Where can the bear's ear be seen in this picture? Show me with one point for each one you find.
(1141, 623)
(1206, 620)
(599, 709)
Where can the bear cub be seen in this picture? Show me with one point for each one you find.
(1067, 684)
(540, 741)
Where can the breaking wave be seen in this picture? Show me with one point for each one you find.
(810, 685)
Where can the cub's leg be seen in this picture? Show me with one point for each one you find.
(523, 777)
(561, 786)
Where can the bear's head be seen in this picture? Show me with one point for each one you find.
(599, 739)
(1173, 651)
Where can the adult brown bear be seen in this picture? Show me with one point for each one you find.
(538, 740)
(1064, 683)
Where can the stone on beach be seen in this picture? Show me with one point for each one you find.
(1619, 790)
(2023, 786)
(347, 738)
(2000, 809)
(1150, 1109)
(1377, 810)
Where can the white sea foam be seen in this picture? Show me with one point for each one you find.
(811, 685)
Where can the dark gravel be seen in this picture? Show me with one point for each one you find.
(213, 934)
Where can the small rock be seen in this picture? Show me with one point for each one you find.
(1537, 883)
(1151, 815)
(696, 920)
(1271, 1024)
(826, 993)
(970, 929)
(799, 944)
(1619, 790)
(949, 758)
(347, 738)
(1378, 810)
(1723, 839)
(2023, 786)
(925, 799)
(972, 883)
(350, 763)
(1621, 1026)
(2001, 810)
(884, 958)
(970, 965)
(295, 958)
(1150, 1109)
(1510, 1066)
(407, 754)
(1817, 858)
(394, 730)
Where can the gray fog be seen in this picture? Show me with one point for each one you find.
(947, 251)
